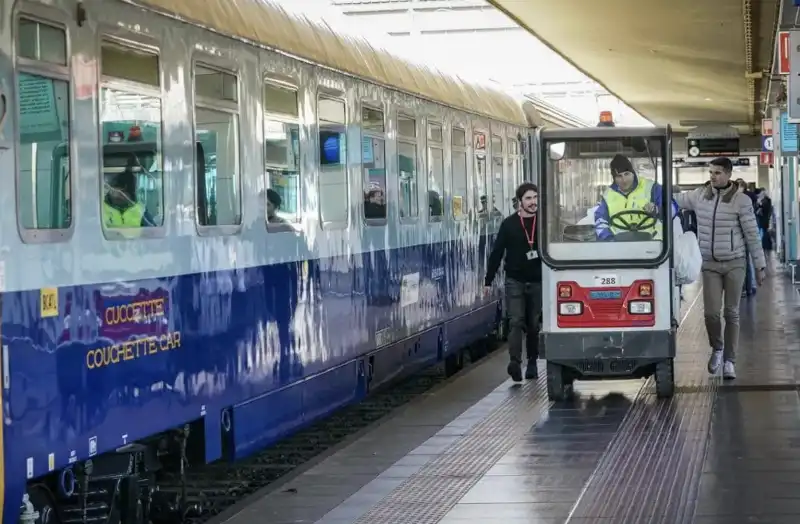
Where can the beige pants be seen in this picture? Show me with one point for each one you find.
(722, 290)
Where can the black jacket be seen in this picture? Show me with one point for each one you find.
(512, 241)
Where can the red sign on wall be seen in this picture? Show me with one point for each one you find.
(766, 158)
(784, 66)
(766, 127)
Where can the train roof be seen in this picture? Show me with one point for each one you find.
(263, 22)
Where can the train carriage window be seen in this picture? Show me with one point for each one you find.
(332, 114)
(514, 173)
(130, 116)
(373, 163)
(216, 120)
(497, 176)
(435, 171)
(481, 197)
(282, 153)
(42, 42)
(43, 89)
(459, 201)
(407, 166)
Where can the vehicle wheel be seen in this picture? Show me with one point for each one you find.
(453, 363)
(665, 378)
(557, 389)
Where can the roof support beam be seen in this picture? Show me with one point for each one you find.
(747, 12)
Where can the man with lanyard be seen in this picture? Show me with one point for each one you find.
(516, 241)
(628, 191)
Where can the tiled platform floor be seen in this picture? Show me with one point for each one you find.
(483, 450)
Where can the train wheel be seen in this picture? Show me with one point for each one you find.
(478, 350)
(453, 363)
(42, 500)
(556, 388)
(665, 378)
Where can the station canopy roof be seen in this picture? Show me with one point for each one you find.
(682, 62)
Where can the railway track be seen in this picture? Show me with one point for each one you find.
(213, 488)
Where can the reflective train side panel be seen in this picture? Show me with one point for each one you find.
(212, 315)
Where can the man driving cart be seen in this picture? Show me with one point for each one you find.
(630, 204)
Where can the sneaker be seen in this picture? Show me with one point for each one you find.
(715, 361)
(532, 371)
(515, 370)
(729, 370)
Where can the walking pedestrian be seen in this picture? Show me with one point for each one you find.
(727, 232)
(516, 242)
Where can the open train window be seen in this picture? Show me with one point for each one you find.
(216, 121)
(514, 171)
(282, 154)
(407, 166)
(130, 135)
(498, 178)
(44, 161)
(334, 190)
(373, 163)
(459, 200)
(435, 171)
(480, 185)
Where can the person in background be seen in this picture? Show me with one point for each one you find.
(120, 208)
(374, 203)
(749, 287)
(764, 212)
(744, 188)
(273, 205)
(435, 207)
(726, 224)
(516, 241)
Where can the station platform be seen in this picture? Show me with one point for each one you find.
(481, 449)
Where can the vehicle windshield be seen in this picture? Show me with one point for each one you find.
(606, 195)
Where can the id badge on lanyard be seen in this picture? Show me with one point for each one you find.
(532, 254)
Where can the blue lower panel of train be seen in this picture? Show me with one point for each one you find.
(255, 352)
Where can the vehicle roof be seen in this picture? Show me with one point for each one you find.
(263, 22)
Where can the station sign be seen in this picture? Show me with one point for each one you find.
(682, 162)
(766, 158)
(767, 144)
(712, 147)
(793, 95)
(788, 135)
(784, 65)
(766, 127)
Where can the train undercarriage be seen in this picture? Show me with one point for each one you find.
(142, 482)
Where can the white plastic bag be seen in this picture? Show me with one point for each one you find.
(589, 218)
(686, 252)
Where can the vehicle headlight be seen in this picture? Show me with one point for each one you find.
(570, 308)
(640, 307)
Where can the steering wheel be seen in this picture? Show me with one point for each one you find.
(621, 221)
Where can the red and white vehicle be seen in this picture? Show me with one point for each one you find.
(610, 305)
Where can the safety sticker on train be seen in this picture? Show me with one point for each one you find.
(607, 281)
(48, 302)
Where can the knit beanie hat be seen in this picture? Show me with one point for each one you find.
(620, 164)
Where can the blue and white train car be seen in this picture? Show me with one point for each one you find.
(222, 217)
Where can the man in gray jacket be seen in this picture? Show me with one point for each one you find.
(727, 230)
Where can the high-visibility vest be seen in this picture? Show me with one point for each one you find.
(131, 217)
(636, 199)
